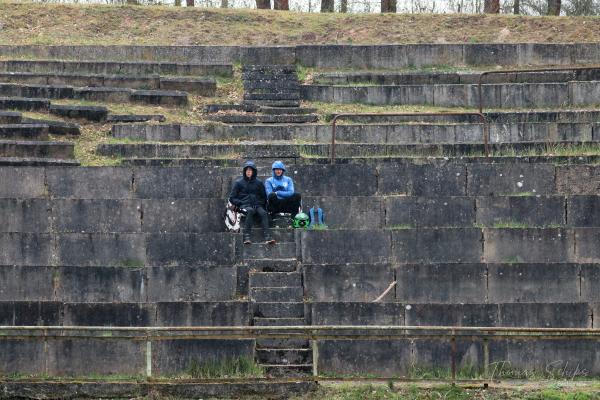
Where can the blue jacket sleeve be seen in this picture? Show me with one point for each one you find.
(284, 194)
(268, 187)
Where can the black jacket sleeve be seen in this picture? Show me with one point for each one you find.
(262, 195)
(234, 196)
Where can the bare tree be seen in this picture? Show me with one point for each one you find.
(388, 6)
(517, 7)
(553, 7)
(189, 3)
(263, 4)
(281, 4)
(224, 3)
(491, 6)
(344, 6)
(327, 6)
(177, 3)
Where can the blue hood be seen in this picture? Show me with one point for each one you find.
(278, 165)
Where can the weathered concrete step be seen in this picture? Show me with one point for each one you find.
(278, 310)
(277, 251)
(285, 294)
(280, 235)
(367, 160)
(215, 108)
(508, 95)
(24, 132)
(346, 150)
(269, 77)
(282, 343)
(287, 110)
(116, 67)
(264, 119)
(282, 68)
(287, 369)
(36, 162)
(124, 95)
(396, 133)
(199, 86)
(10, 117)
(90, 113)
(272, 96)
(273, 103)
(103, 94)
(512, 116)
(284, 356)
(24, 103)
(274, 279)
(55, 127)
(275, 84)
(270, 265)
(36, 149)
(279, 321)
(36, 91)
(160, 97)
(121, 118)
(461, 77)
(126, 389)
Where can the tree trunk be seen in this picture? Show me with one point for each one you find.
(388, 6)
(224, 3)
(344, 6)
(133, 3)
(491, 6)
(281, 5)
(554, 7)
(189, 3)
(326, 6)
(177, 3)
(517, 7)
(263, 4)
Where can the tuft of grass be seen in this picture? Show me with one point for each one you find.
(401, 226)
(240, 367)
(510, 224)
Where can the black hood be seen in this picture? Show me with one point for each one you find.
(249, 164)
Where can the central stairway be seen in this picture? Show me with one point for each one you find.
(271, 96)
(277, 299)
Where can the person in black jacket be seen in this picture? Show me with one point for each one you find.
(248, 193)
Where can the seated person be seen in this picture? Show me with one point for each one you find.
(248, 195)
(280, 192)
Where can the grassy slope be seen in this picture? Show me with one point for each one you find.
(27, 23)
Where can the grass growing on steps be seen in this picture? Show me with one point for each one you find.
(241, 367)
(326, 110)
(399, 391)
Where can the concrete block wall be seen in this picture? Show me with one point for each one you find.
(109, 246)
(331, 56)
(377, 133)
(505, 95)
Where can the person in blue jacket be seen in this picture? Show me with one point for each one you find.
(249, 196)
(281, 197)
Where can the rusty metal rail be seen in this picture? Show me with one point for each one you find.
(337, 117)
(526, 71)
(313, 333)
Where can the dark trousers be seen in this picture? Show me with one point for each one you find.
(261, 214)
(289, 205)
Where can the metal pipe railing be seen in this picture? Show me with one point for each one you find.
(527, 70)
(337, 117)
(313, 333)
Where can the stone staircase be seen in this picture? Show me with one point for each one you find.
(271, 96)
(277, 299)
